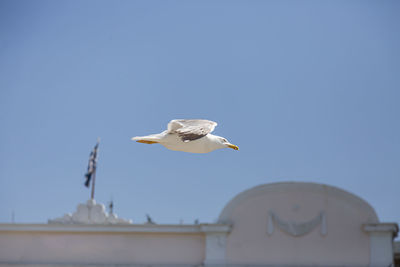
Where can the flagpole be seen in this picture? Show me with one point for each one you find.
(94, 171)
(93, 183)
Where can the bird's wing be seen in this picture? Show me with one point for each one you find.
(189, 130)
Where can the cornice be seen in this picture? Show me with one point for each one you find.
(111, 228)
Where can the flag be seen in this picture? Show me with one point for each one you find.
(91, 165)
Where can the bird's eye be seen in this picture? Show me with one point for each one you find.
(224, 140)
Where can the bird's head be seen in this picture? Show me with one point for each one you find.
(225, 143)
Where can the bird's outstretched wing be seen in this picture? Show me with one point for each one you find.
(189, 130)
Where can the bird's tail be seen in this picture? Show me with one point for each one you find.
(149, 139)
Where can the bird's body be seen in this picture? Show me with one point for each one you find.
(189, 136)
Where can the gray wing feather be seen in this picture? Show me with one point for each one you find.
(189, 130)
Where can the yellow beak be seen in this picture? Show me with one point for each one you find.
(233, 146)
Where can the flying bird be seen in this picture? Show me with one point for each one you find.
(192, 136)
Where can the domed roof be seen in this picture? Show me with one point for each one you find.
(297, 223)
(328, 190)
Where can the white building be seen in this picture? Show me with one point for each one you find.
(280, 224)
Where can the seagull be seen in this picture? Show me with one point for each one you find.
(192, 136)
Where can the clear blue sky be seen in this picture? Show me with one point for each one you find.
(309, 91)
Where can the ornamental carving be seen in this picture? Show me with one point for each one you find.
(296, 228)
(90, 213)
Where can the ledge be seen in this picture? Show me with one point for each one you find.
(382, 227)
(215, 228)
(108, 228)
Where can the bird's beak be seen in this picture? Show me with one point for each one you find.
(232, 146)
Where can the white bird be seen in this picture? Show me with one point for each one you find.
(192, 136)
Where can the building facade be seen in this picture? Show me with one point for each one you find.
(280, 224)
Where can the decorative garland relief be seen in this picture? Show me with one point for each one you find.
(296, 228)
